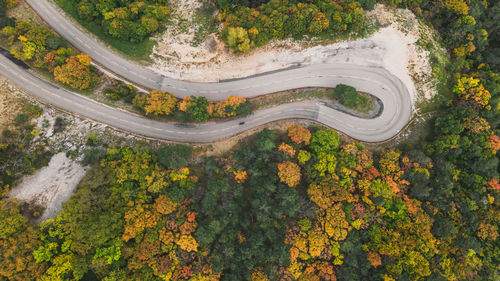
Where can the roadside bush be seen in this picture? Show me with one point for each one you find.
(349, 97)
(20, 119)
(122, 91)
(244, 109)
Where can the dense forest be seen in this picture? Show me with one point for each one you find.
(302, 205)
(41, 48)
(245, 27)
(125, 19)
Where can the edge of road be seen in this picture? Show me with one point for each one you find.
(125, 121)
(377, 81)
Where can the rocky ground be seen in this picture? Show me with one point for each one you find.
(50, 186)
(62, 133)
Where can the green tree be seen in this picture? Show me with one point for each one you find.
(237, 39)
(197, 109)
(174, 156)
(266, 140)
(244, 109)
(324, 141)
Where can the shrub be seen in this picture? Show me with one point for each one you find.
(237, 39)
(244, 109)
(197, 109)
(59, 124)
(93, 155)
(20, 119)
(349, 97)
(174, 156)
(93, 139)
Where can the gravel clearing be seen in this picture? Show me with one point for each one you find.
(50, 186)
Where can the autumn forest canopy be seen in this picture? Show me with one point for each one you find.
(125, 19)
(300, 204)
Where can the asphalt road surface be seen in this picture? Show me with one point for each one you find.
(250, 87)
(374, 80)
(381, 128)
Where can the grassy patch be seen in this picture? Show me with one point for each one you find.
(350, 98)
(364, 103)
(206, 21)
(135, 51)
(289, 96)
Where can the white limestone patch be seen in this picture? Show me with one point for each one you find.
(50, 186)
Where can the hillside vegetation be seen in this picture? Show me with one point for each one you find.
(302, 205)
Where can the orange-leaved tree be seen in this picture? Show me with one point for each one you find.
(240, 176)
(470, 89)
(299, 134)
(289, 173)
(495, 143)
(184, 103)
(160, 103)
(286, 149)
(76, 72)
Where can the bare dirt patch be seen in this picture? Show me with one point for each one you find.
(10, 104)
(189, 36)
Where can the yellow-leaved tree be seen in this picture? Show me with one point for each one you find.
(237, 39)
(76, 72)
(160, 103)
(289, 173)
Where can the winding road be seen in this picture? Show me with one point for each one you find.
(374, 80)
